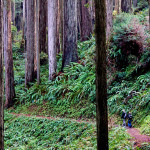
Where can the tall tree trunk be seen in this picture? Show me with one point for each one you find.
(109, 6)
(70, 32)
(149, 13)
(101, 84)
(134, 3)
(37, 42)
(30, 42)
(58, 27)
(42, 25)
(52, 36)
(79, 19)
(86, 26)
(13, 11)
(9, 73)
(125, 5)
(1, 79)
(62, 23)
(92, 13)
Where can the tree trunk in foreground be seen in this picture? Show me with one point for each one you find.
(52, 36)
(30, 42)
(9, 73)
(101, 84)
(1, 79)
(149, 13)
(70, 33)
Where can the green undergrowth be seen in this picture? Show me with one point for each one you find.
(145, 126)
(37, 133)
(72, 93)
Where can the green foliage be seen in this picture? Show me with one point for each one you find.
(145, 126)
(133, 96)
(36, 133)
(128, 38)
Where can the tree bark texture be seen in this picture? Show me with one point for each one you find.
(30, 42)
(37, 42)
(86, 26)
(9, 73)
(42, 25)
(70, 32)
(109, 6)
(134, 3)
(1, 79)
(125, 5)
(101, 84)
(149, 13)
(13, 11)
(52, 36)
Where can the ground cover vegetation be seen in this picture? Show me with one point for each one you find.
(71, 94)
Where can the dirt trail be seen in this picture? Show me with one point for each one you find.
(137, 137)
(135, 133)
(55, 118)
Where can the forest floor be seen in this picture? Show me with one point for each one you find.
(138, 138)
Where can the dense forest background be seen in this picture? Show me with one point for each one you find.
(49, 84)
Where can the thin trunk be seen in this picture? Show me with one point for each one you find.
(70, 33)
(9, 73)
(101, 84)
(109, 5)
(30, 42)
(149, 13)
(134, 3)
(52, 36)
(86, 26)
(1, 80)
(62, 24)
(37, 42)
(13, 11)
(79, 19)
(125, 5)
(42, 25)
(58, 27)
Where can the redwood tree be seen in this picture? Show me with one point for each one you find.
(70, 32)
(101, 84)
(42, 25)
(9, 73)
(30, 42)
(1, 80)
(52, 36)
(86, 24)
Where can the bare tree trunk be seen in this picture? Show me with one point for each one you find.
(86, 26)
(70, 32)
(13, 11)
(1, 80)
(109, 5)
(62, 23)
(58, 27)
(134, 3)
(79, 19)
(149, 13)
(37, 42)
(52, 36)
(42, 25)
(92, 13)
(30, 42)
(101, 84)
(9, 73)
(125, 5)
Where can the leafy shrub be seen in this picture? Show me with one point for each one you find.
(128, 39)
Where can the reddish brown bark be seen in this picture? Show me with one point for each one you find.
(86, 26)
(1, 79)
(9, 73)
